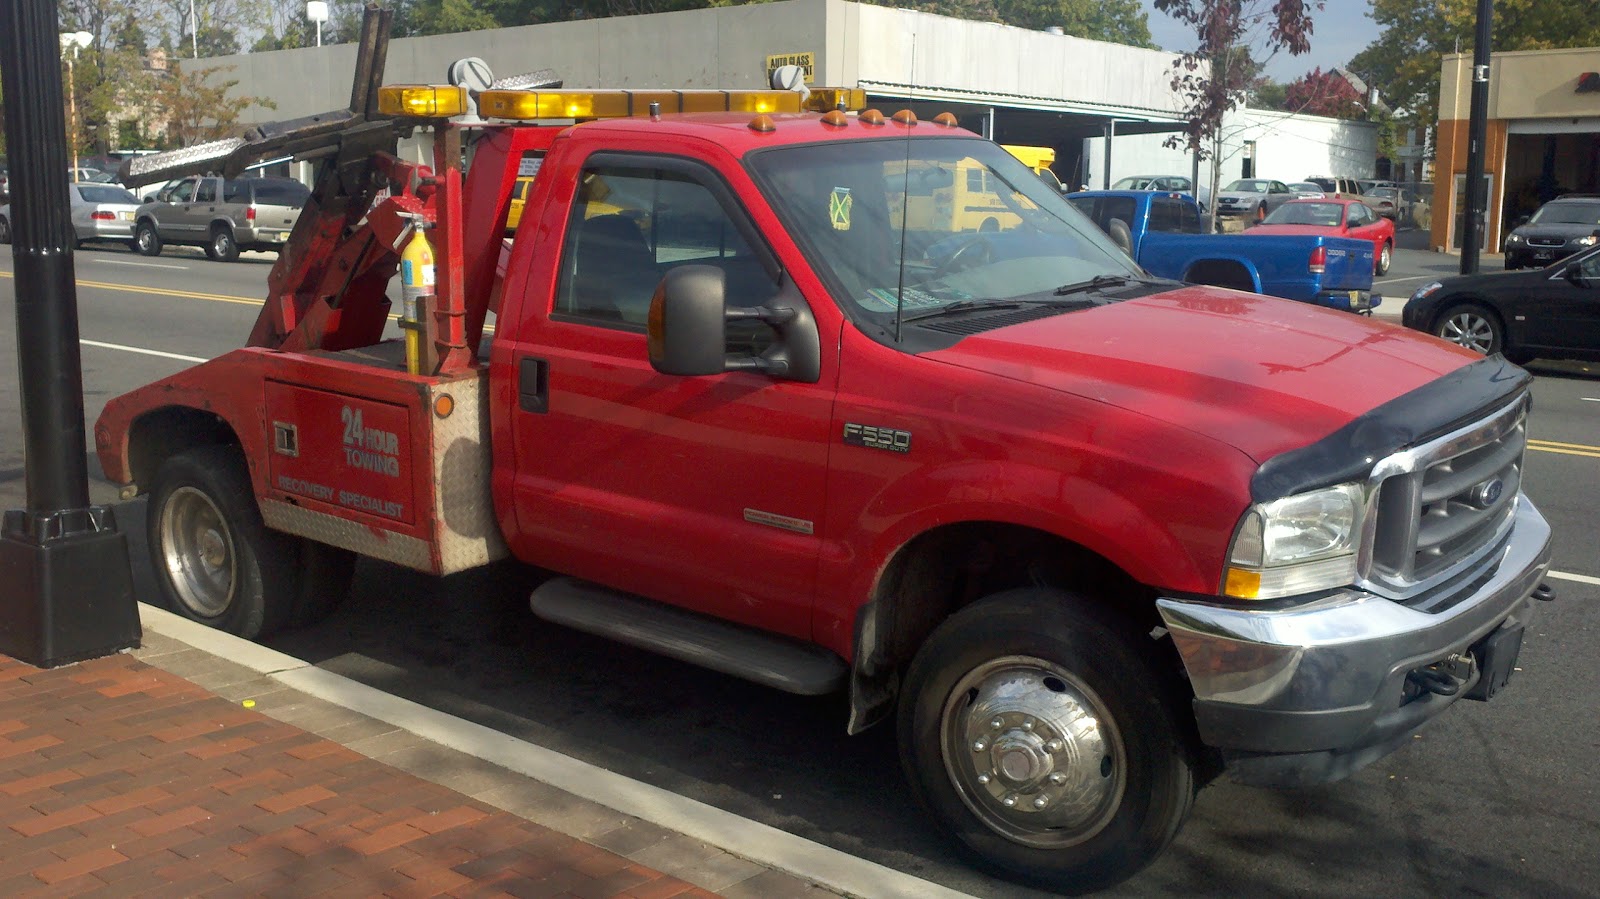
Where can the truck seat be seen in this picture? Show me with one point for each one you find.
(614, 271)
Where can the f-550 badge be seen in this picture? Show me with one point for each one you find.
(877, 438)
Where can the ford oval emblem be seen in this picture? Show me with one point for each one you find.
(1484, 495)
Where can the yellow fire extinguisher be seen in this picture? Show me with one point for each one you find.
(416, 292)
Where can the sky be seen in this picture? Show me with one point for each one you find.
(1338, 33)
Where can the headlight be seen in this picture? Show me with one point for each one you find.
(1587, 241)
(1514, 238)
(1426, 289)
(1298, 544)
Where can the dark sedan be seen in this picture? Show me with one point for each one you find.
(1561, 227)
(1551, 313)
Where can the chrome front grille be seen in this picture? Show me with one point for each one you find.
(1547, 241)
(1441, 507)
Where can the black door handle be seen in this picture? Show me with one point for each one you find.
(533, 385)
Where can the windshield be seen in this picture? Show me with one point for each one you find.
(1133, 184)
(98, 194)
(1250, 187)
(1306, 186)
(978, 226)
(1389, 192)
(1567, 214)
(1327, 214)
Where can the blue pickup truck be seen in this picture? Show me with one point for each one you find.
(1165, 234)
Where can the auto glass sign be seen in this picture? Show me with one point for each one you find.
(806, 61)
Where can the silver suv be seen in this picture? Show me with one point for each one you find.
(224, 216)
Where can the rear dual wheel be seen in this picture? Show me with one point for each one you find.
(1037, 730)
(218, 564)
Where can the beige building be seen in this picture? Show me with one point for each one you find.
(1543, 136)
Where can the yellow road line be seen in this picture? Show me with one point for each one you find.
(1576, 446)
(192, 295)
(1566, 452)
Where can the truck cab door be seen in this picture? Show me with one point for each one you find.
(172, 223)
(705, 492)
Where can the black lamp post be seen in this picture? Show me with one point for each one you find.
(1475, 221)
(66, 589)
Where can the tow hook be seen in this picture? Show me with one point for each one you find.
(1544, 592)
(1445, 676)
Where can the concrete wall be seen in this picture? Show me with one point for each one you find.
(911, 53)
(1288, 148)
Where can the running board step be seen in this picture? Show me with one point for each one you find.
(770, 659)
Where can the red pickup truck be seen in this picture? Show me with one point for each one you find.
(1092, 537)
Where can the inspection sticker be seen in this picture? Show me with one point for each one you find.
(839, 208)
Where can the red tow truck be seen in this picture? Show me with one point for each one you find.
(1091, 537)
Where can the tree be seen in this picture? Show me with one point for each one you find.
(1269, 94)
(1407, 55)
(197, 107)
(1116, 21)
(1213, 79)
(1326, 94)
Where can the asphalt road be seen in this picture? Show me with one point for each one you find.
(1494, 799)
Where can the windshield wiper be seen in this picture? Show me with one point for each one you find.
(1098, 282)
(961, 306)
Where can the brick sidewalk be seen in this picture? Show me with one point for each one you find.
(120, 779)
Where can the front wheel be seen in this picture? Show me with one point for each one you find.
(1384, 257)
(1473, 327)
(1037, 730)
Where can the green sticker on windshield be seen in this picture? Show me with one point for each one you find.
(839, 208)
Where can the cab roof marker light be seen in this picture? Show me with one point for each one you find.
(945, 120)
(871, 117)
(154, 162)
(422, 101)
(906, 117)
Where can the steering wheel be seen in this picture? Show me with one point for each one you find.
(975, 252)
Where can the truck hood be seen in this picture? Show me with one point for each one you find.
(1258, 373)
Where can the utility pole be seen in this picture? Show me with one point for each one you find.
(66, 589)
(1476, 221)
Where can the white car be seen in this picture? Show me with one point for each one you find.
(1308, 190)
(99, 212)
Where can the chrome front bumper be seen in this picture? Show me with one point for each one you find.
(1311, 692)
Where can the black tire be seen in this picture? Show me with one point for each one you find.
(325, 574)
(1385, 255)
(215, 561)
(1082, 827)
(146, 240)
(1472, 326)
(5, 230)
(222, 246)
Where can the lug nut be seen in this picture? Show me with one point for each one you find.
(983, 778)
(1058, 778)
(1009, 801)
(997, 724)
(1041, 802)
(1055, 745)
(1027, 725)
(979, 746)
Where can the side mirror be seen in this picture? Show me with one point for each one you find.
(1519, 221)
(688, 328)
(688, 322)
(1574, 274)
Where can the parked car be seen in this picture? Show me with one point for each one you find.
(1255, 197)
(1171, 183)
(83, 173)
(1551, 313)
(1560, 228)
(98, 212)
(1163, 232)
(1388, 202)
(1336, 218)
(224, 216)
(1337, 188)
(1307, 190)
(5, 186)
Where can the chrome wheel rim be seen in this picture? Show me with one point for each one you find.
(1470, 330)
(145, 237)
(1033, 752)
(219, 243)
(197, 549)
(1383, 261)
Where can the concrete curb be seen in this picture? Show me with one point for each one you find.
(759, 843)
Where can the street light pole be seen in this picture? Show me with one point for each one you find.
(74, 41)
(66, 587)
(1475, 222)
(194, 33)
